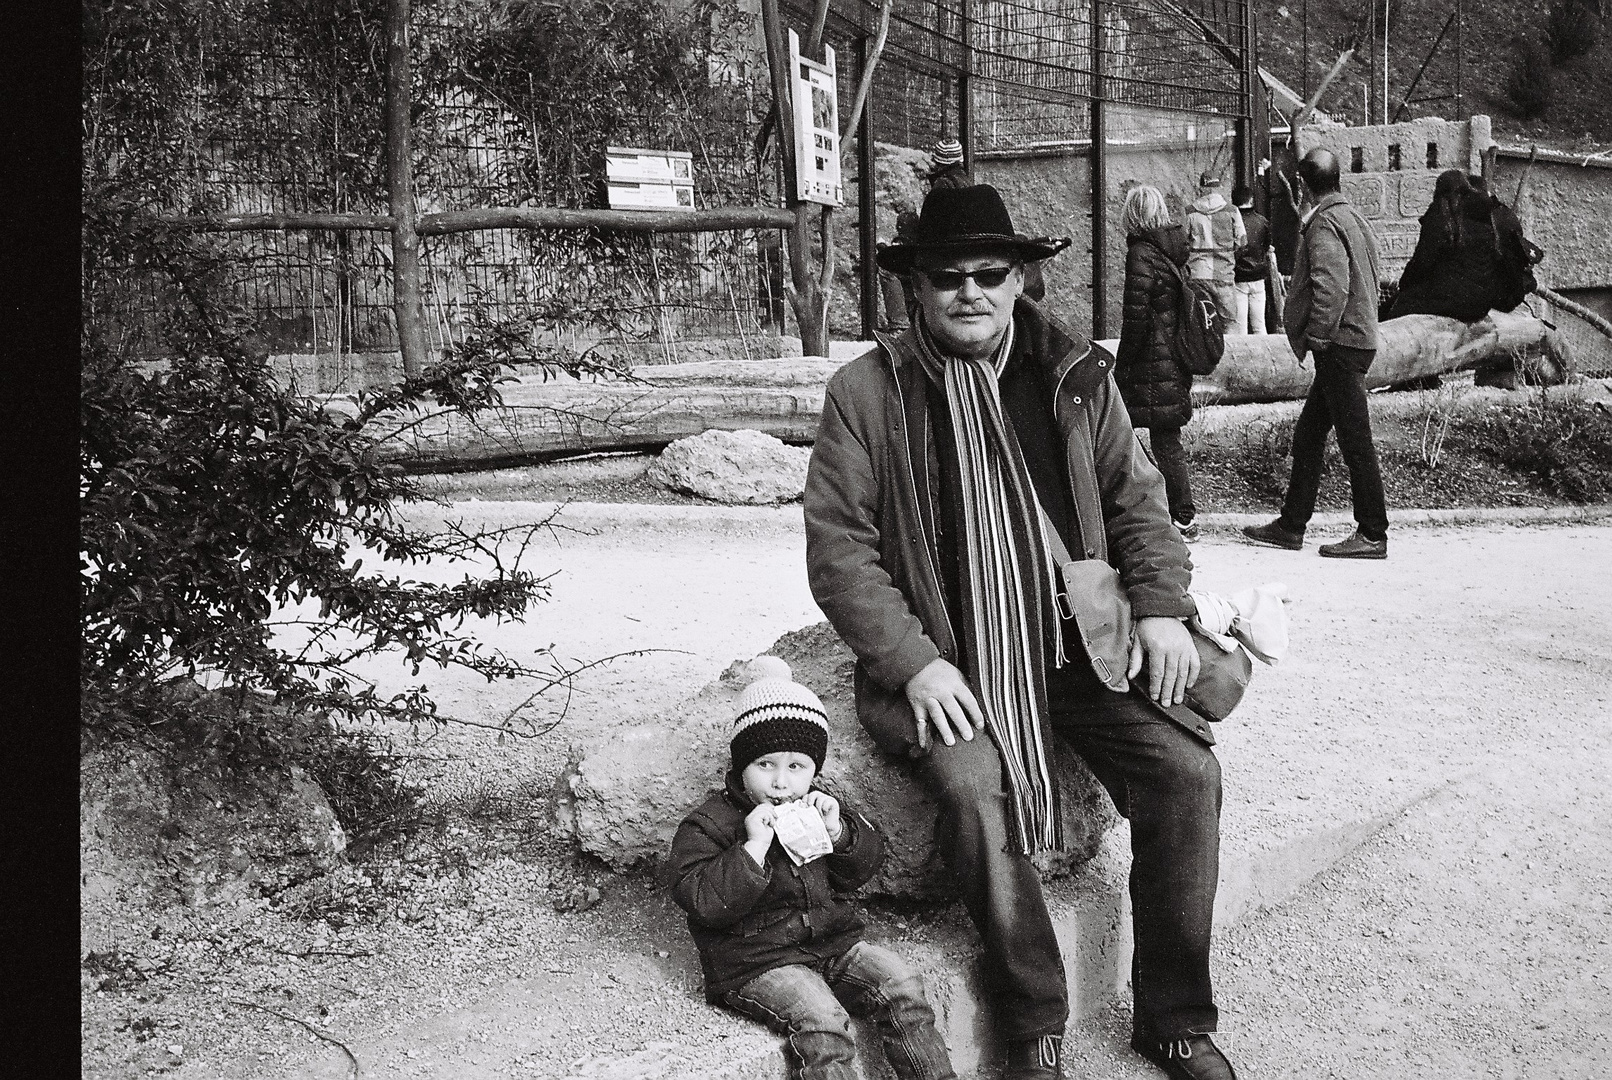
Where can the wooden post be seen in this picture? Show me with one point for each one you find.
(805, 297)
(867, 194)
(407, 308)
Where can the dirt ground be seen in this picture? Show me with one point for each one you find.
(1455, 702)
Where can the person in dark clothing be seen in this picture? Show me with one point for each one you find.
(946, 463)
(1250, 268)
(1458, 268)
(1518, 254)
(1156, 386)
(758, 866)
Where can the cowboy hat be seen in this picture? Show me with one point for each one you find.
(956, 220)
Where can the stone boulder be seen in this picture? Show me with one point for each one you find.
(155, 830)
(746, 467)
(628, 790)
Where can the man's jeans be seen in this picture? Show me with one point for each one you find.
(1250, 314)
(1168, 784)
(809, 1007)
(1337, 398)
(1171, 459)
(1226, 300)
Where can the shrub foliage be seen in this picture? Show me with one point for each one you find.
(1531, 87)
(1570, 30)
(225, 522)
(1565, 445)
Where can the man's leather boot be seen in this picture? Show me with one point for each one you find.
(1034, 1059)
(1275, 535)
(1195, 1057)
(1356, 547)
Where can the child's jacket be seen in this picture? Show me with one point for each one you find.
(747, 919)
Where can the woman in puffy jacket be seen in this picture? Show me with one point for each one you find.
(1157, 387)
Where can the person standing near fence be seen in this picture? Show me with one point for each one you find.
(1215, 231)
(1250, 269)
(1155, 385)
(1332, 316)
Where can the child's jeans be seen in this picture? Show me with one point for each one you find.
(808, 1006)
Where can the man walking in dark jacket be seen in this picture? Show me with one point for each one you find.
(949, 466)
(1332, 315)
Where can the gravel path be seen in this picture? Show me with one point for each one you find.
(1457, 693)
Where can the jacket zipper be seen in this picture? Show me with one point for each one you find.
(912, 479)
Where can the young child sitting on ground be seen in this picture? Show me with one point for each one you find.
(757, 867)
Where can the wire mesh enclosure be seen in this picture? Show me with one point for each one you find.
(242, 106)
(267, 109)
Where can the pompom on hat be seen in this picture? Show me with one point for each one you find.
(777, 713)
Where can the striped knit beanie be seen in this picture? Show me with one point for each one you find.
(947, 152)
(776, 713)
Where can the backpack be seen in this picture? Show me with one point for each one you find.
(1516, 255)
(1200, 330)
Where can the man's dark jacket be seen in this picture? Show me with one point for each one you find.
(1251, 257)
(871, 556)
(748, 919)
(1333, 299)
(1156, 387)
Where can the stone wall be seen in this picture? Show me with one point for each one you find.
(1389, 171)
(1566, 208)
(1051, 196)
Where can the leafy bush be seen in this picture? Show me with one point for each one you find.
(1570, 30)
(1531, 87)
(1566, 445)
(223, 518)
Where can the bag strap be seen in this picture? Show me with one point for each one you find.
(1060, 556)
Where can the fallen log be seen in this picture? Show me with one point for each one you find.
(1263, 368)
(547, 419)
(541, 420)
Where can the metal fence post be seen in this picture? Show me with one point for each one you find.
(1099, 177)
(407, 307)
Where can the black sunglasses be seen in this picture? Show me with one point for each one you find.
(988, 277)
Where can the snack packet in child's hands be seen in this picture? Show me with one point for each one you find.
(801, 831)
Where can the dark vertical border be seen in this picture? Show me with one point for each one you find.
(39, 238)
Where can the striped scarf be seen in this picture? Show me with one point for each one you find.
(1010, 621)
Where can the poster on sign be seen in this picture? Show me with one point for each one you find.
(817, 126)
(649, 179)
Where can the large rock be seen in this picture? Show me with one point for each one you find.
(155, 830)
(744, 467)
(631, 787)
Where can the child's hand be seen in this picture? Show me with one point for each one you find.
(829, 807)
(758, 832)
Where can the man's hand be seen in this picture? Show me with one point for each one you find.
(829, 807)
(939, 695)
(758, 832)
(1165, 645)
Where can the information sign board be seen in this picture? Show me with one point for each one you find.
(649, 179)
(817, 126)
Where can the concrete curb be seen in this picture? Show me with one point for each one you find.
(591, 515)
(1461, 515)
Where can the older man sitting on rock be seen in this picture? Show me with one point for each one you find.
(957, 469)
